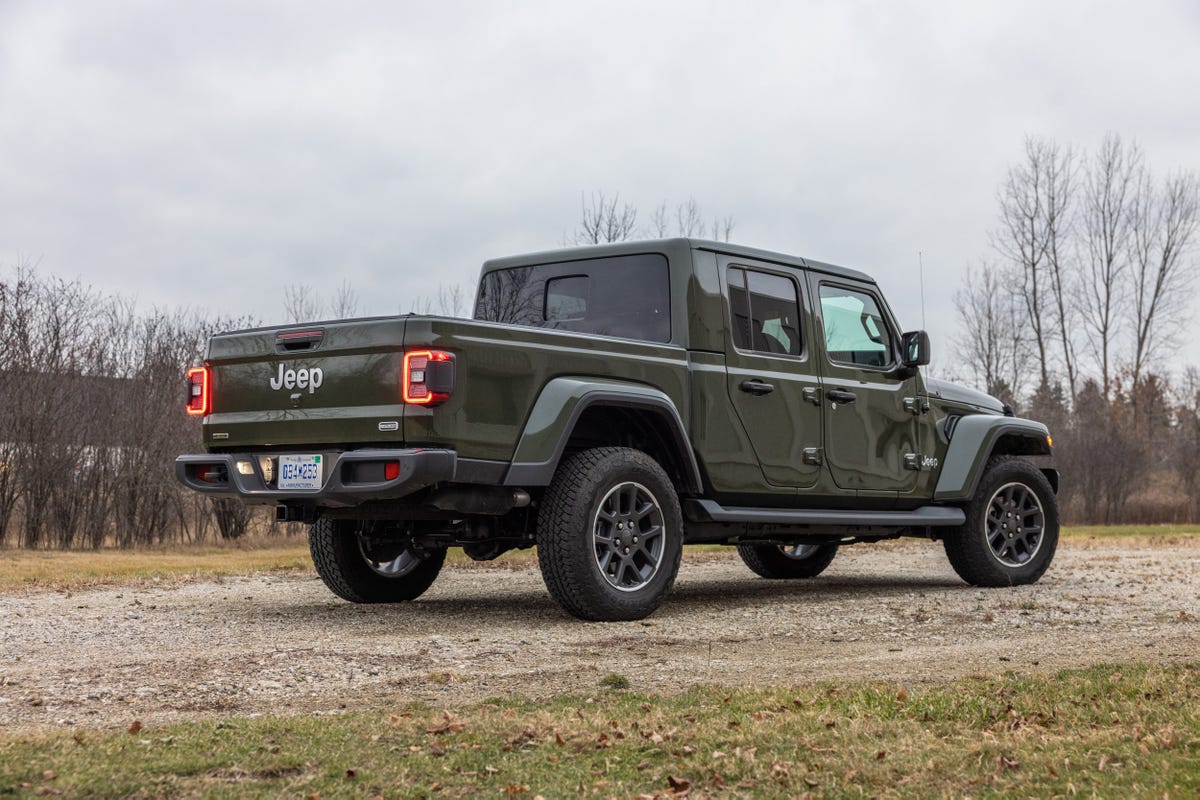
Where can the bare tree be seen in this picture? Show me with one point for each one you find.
(1111, 178)
(992, 338)
(689, 222)
(660, 224)
(345, 302)
(300, 303)
(1162, 233)
(451, 300)
(722, 228)
(605, 219)
(1023, 240)
(1058, 180)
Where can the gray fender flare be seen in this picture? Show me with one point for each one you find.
(559, 407)
(974, 440)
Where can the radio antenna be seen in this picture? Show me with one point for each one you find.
(921, 267)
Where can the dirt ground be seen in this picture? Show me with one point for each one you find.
(162, 652)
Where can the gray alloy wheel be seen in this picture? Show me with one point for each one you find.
(609, 534)
(1011, 528)
(628, 536)
(1015, 522)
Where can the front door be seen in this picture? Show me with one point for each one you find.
(870, 427)
(771, 379)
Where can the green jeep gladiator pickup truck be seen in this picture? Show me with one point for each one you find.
(610, 404)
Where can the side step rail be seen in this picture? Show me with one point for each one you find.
(925, 516)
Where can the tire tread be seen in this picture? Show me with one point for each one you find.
(333, 545)
(565, 517)
(767, 561)
(971, 559)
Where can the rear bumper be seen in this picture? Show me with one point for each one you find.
(218, 475)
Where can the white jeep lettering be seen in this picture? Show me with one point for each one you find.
(298, 379)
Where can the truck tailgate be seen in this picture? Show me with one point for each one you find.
(320, 383)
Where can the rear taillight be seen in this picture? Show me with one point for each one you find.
(197, 391)
(428, 377)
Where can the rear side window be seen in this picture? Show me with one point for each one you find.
(855, 331)
(625, 296)
(765, 312)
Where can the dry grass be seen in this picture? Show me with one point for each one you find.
(1171, 535)
(40, 569)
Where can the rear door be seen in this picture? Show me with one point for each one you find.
(870, 428)
(769, 370)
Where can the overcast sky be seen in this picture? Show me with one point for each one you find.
(209, 153)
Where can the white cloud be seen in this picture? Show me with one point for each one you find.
(209, 153)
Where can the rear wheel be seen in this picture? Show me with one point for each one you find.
(366, 569)
(610, 535)
(787, 561)
(1011, 531)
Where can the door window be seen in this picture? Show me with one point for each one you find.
(855, 332)
(765, 312)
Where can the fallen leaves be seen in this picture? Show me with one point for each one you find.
(450, 724)
(678, 785)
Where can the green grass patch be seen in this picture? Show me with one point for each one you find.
(1114, 731)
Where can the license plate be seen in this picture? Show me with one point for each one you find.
(300, 472)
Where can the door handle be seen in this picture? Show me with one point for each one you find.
(756, 387)
(841, 396)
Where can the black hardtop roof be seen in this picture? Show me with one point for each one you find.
(668, 246)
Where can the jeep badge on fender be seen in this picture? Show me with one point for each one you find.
(610, 404)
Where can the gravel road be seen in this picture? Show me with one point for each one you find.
(161, 652)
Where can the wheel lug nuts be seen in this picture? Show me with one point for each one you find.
(635, 540)
(627, 551)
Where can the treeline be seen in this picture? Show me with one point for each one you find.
(91, 398)
(1071, 322)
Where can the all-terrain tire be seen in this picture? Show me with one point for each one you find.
(339, 558)
(610, 535)
(772, 561)
(997, 545)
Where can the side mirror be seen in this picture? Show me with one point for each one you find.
(914, 349)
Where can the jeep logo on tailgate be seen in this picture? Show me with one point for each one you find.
(298, 379)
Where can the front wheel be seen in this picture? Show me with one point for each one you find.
(1011, 531)
(787, 561)
(366, 569)
(610, 535)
